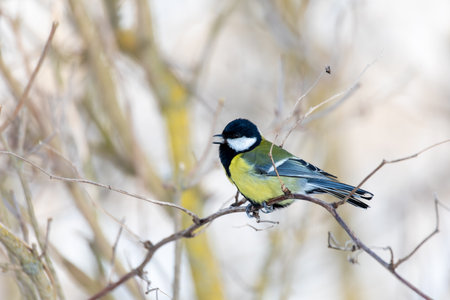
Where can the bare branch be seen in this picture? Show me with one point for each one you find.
(385, 162)
(105, 186)
(428, 237)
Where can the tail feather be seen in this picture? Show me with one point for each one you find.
(339, 190)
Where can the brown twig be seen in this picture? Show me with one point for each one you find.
(24, 96)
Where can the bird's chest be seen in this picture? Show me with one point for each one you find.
(252, 184)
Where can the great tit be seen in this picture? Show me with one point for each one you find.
(244, 154)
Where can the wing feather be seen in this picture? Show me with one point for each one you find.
(296, 167)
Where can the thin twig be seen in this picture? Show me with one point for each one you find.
(24, 96)
(385, 162)
(295, 108)
(105, 186)
(301, 119)
(283, 186)
(429, 236)
(345, 95)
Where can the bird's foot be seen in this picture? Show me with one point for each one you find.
(249, 210)
(252, 210)
(267, 209)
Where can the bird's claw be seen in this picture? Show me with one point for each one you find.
(249, 210)
(267, 209)
(252, 209)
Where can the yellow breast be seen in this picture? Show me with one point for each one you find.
(254, 186)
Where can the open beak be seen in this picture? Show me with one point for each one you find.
(219, 139)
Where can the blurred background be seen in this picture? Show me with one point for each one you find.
(129, 95)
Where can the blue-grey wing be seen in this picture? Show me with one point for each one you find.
(296, 167)
(318, 181)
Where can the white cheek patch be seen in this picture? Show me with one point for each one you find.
(241, 144)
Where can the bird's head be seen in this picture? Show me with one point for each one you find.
(240, 135)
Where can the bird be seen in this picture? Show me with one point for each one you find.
(245, 156)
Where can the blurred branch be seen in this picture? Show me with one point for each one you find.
(213, 34)
(35, 225)
(119, 127)
(30, 263)
(173, 101)
(24, 96)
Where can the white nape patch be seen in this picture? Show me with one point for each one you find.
(277, 164)
(241, 144)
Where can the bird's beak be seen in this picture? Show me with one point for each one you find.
(219, 139)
